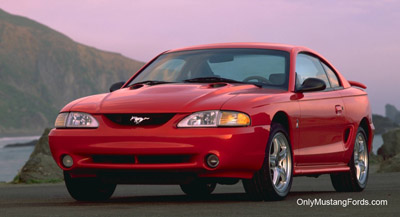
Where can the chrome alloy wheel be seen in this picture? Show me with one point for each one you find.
(280, 162)
(361, 158)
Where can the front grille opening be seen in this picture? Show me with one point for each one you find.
(141, 159)
(150, 119)
(163, 159)
(116, 159)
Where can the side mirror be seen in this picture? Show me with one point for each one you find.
(312, 84)
(117, 86)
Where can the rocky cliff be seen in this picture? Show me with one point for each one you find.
(392, 113)
(41, 166)
(383, 124)
(390, 151)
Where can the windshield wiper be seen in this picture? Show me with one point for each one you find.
(151, 82)
(218, 79)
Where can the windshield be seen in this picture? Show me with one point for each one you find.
(263, 67)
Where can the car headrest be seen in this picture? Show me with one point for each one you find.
(277, 79)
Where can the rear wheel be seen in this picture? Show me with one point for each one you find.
(88, 189)
(198, 189)
(356, 179)
(274, 180)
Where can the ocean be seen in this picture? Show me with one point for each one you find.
(12, 159)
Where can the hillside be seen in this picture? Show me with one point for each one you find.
(41, 70)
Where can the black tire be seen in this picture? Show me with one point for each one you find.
(348, 182)
(198, 189)
(88, 189)
(261, 186)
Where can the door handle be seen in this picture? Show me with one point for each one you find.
(339, 109)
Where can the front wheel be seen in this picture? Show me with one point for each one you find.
(274, 180)
(88, 189)
(356, 179)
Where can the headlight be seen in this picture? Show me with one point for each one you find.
(76, 120)
(215, 118)
(201, 119)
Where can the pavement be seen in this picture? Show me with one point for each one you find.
(157, 200)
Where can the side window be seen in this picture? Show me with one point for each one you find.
(333, 79)
(309, 67)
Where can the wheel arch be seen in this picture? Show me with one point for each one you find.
(282, 118)
(365, 124)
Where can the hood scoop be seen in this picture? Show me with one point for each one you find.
(136, 86)
(212, 85)
(217, 85)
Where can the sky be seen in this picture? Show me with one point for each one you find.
(361, 38)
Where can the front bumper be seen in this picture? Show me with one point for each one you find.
(240, 149)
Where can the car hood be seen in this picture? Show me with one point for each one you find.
(162, 98)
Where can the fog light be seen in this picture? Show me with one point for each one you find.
(212, 160)
(67, 161)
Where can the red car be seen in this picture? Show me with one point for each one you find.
(216, 114)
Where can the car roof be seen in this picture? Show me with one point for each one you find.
(255, 45)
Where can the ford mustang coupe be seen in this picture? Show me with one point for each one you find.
(217, 114)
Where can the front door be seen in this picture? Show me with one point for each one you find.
(321, 122)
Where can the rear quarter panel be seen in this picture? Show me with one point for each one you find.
(356, 107)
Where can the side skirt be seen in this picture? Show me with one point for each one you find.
(320, 169)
